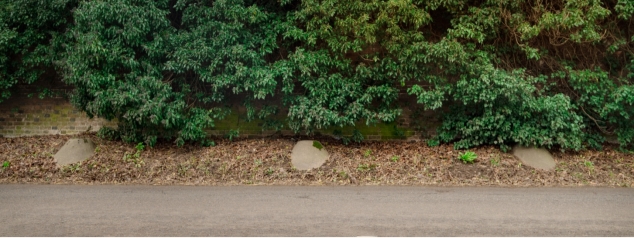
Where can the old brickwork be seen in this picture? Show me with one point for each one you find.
(23, 116)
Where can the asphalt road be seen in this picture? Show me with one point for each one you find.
(64, 210)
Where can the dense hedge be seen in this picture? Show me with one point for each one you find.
(545, 73)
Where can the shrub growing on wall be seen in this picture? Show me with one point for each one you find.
(163, 68)
(510, 70)
(538, 73)
(32, 36)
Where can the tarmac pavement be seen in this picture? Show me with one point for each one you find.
(107, 210)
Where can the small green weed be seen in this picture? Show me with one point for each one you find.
(136, 157)
(345, 140)
(6, 164)
(495, 161)
(394, 158)
(208, 143)
(183, 168)
(73, 167)
(366, 167)
(367, 153)
(357, 136)
(140, 147)
(433, 142)
(93, 165)
(233, 134)
(578, 175)
(468, 157)
(589, 165)
(505, 148)
(269, 171)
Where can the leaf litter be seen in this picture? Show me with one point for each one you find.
(266, 161)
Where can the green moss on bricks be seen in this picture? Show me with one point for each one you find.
(235, 120)
(229, 122)
(387, 130)
(252, 125)
(377, 129)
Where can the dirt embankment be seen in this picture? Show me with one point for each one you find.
(267, 162)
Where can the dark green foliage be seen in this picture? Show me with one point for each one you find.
(498, 107)
(115, 65)
(607, 104)
(357, 136)
(108, 133)
(398, 133)
(538, 73)
(232, 134)
(159, 68)
(32, 36)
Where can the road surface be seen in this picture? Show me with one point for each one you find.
(68, 210)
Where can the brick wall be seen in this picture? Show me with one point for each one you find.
(24, 116)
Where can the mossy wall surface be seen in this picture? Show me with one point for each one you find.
(24, 116)
(422, 127)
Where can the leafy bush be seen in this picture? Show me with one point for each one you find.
(32, 36)
(162, 70)
(606, 103)
(554, 74)
(497, 107)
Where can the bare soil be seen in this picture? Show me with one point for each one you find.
(267, 162)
